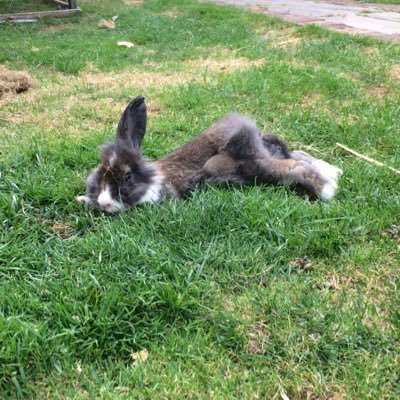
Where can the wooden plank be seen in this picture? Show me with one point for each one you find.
(41, 14)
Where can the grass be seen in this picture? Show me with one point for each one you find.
(15, 6)
(380, 1)
(217, 289)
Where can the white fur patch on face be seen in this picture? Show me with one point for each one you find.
(113, 158)
(107, 203)
(153, 193)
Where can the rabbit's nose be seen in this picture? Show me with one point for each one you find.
(107, 203)
(104, 199)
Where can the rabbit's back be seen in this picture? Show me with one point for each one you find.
(235, 135)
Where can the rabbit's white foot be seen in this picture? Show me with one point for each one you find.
(83, 199)
(330, 172)
(329, 190)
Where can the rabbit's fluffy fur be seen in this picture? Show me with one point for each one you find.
(231, 150)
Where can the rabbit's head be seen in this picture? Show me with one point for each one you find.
(124, 178)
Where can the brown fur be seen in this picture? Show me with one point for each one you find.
(215, 156)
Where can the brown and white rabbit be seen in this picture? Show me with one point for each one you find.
(231, 150)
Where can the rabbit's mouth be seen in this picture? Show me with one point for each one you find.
(111, 209)
(104, 202)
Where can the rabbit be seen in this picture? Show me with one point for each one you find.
(232, 150)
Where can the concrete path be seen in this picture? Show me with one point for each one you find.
(343, 15)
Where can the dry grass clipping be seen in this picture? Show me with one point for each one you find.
(282, 38)
(14, 81)
(226, 65)
(133, 2)
(172, 13)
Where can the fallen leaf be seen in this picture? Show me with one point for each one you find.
(106, 24)
(140, 356)
(126, 44)
(79, 368)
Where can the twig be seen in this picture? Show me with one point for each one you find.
(366, 158)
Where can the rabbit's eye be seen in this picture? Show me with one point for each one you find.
(128, 177)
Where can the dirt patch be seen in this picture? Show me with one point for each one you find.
(14, 81)
(371, 52)
(312, 99)
(395, 72)
(258, 336)
(377, 91)
(238, 305)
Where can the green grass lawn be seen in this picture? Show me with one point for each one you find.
(217, 289)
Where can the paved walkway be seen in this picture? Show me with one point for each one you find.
(344, 15)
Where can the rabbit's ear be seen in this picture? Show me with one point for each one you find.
(132, 125)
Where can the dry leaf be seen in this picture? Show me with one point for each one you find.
(303, 263)
(126, 44)
(140, 356)
(106, 24)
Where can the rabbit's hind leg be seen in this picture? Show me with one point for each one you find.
(276, 147)
(220, 168)
(293, 173)
(270, 170)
